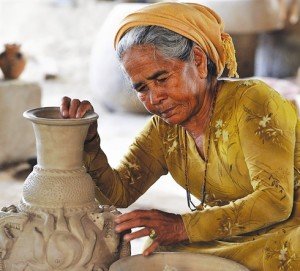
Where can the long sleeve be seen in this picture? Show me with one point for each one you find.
(143, 164)
(266, 125)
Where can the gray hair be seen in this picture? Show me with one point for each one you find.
(169, 43)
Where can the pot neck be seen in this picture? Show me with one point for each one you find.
(59, 141)
(60, 147)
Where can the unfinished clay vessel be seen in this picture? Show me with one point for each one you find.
(58, 225)
(12, 61)
(176, 261)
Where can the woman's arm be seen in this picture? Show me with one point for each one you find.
(266, 126)
(142, 165)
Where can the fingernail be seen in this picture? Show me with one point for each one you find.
(65, 113)
(117, 220)
(117, 229)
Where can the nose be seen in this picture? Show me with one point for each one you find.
(157, 95)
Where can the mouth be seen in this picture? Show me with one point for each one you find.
(169, 112)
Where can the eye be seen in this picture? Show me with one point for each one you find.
(142, 88)
(161, 79)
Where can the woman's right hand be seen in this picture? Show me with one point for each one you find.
(74, 108)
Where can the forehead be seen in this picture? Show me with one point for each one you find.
(146, 59)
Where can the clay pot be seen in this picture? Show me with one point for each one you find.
(58, 225)
(12, 61)
(176, 261)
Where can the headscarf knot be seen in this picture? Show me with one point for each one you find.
(230, 60)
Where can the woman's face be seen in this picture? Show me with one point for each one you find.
(169, 88)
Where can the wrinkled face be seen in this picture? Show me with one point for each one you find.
(169, 88)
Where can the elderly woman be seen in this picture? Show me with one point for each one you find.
(232, 144)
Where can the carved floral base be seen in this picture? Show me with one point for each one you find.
(43, 241)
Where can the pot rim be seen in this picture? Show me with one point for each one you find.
(39, 116)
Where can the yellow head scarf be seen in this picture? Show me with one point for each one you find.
(196, 22)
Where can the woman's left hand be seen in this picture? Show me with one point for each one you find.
(168, 228)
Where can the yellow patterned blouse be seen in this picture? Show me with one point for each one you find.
(253, 215)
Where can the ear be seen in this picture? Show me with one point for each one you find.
(200, 60)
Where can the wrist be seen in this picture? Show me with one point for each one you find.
(91, 139)
(182, 233)
(92, 144)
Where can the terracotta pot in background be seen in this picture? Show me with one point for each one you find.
(12, 61)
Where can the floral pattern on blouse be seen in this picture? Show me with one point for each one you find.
(171, 143)
(268, 178)
(229, 223)
(133, 173)
(266, 130)
(283, 254)
(220, 132)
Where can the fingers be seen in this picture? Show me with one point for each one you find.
(74, 108)
(137, 234)
(151, 245)
(135, 214)
(85, 106)
(134, 223)
(64, 107)
(168, 228)
(151, 248)
(138, 218)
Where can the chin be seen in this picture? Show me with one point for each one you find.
(174, 120)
